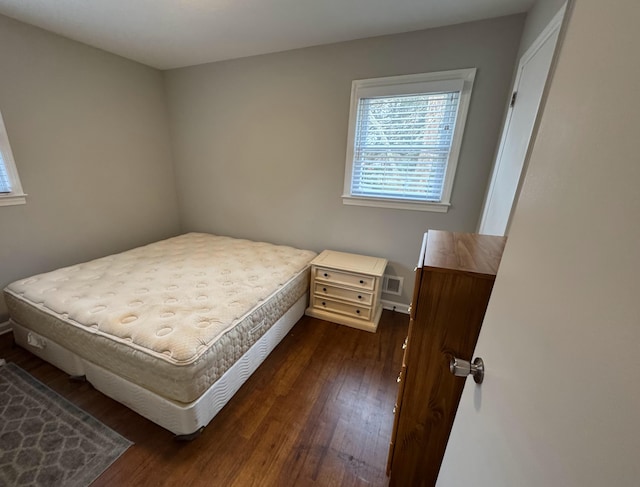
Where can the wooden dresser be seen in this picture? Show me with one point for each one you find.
(345, 289)
(454, 279)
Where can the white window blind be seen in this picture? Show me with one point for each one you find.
(10, 188)
(5, 187)
(402, 145)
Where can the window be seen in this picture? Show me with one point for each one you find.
(10, 187)
(404, 139)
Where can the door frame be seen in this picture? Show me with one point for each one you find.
(554, 25)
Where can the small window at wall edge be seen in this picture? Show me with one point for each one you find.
(10, 188)
(397, 163)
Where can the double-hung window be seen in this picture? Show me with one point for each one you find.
(10, 188)
(405, 134)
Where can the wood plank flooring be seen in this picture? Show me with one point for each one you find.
(318, 412)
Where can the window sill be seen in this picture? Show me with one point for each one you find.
(395, 204)
(13, 199)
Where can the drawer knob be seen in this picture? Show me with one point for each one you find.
(361, 281)
(359, 297)
(358, 311)
(324, 289)
(324, 304)
(326, 275)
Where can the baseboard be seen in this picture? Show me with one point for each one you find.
(394, 306)
(5, 327)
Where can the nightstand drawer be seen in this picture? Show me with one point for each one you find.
(355, 280)
(329, 291)
(343, 308)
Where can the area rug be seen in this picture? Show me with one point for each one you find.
(47, 441)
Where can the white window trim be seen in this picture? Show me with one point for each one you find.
(17, 195)
(407, 84)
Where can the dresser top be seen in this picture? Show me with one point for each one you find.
(462, 252)
(362, 264)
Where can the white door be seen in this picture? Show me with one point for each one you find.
(560, 404)
(531, 77)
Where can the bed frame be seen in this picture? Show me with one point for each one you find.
(186, 421)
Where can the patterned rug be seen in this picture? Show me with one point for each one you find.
(45, 440)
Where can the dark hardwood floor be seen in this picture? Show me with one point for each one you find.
(317, 412)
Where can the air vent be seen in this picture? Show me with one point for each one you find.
(392, 285)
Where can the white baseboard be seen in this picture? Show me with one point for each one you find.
(5, 327)
(394, 306)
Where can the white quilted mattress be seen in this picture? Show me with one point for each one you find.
(171, 316)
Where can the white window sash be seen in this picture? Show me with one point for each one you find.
(446, 81)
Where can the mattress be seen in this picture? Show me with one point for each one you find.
(171, 316)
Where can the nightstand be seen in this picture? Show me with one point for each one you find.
(345, 289)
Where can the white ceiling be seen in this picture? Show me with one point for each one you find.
(173, 33)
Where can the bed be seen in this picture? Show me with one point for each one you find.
(171, 329)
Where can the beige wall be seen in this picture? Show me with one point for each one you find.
(259, 143)
(89, 133)
(560, 400)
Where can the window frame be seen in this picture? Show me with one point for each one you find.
(408, 85)
(17, 195)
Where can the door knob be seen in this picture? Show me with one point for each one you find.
(463, 368)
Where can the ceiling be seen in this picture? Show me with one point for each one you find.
(174, 33)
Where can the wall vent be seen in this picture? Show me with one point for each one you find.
(392, 285)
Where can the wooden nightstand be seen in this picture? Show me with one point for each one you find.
(345, 289)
